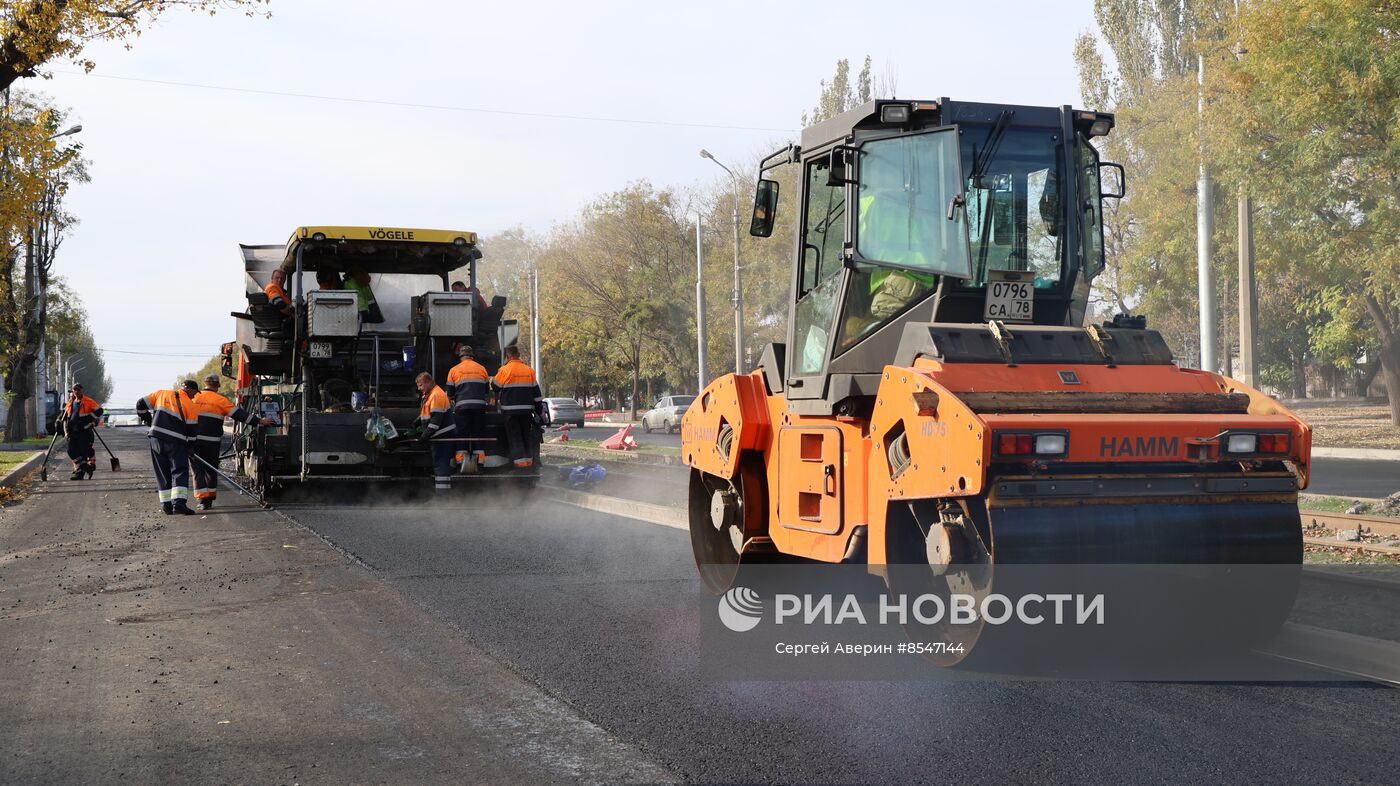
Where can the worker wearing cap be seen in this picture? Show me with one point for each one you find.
(519, 400)
(211, 408)
(173, 422)
(277, 295)
(80, 417)
(467, 387)
(435, 420)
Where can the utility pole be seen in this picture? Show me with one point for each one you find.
(1249, 296)
(1205, 227)
(700, 338)
(738, 292)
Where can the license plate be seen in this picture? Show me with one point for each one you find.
(320, 349)
(1010, 296)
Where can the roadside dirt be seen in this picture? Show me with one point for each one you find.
(1348, 423)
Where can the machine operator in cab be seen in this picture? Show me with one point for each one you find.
(277, 293)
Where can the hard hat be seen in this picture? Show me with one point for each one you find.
(212, 379)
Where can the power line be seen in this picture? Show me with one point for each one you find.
(440, 107)
(205, 355)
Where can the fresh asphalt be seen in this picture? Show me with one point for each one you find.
(603, 613)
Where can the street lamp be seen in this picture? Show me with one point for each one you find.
(700, 337)
(69, 132)
(738, 302)
(41, 379)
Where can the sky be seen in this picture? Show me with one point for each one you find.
(181, 175)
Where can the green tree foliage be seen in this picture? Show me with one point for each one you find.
(70, 341)
(1150, 237)
(1314, 100)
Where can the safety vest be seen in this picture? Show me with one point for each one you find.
(86, 416)
(466, 384)
(520, 391)
(277, 296)
(173, 415)
(433, 415)
(211, 409)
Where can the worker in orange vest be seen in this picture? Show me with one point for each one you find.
(211, 408)
(467, 387)
(173, 421)
(277, 295)
(435, 420)
(80, 416)
(519, 400)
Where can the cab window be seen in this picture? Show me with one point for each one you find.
(825, 232)
(1015, 207)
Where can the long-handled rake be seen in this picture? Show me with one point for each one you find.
(236, 485)
(116, 463)
(44, 468)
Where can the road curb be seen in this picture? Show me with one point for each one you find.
(14, 476)
(617, 506)
(1362, 454)
(566, 450)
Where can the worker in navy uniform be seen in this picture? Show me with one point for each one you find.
(435, 420)
(467, 388)
(212, 408)
(518, 398)
(173, 420)
(80, 416)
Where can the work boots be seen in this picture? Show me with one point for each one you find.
(206, 504)
(77, 473)
(181, 508)
(89, 469)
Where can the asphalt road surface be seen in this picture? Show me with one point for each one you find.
(1351, 478)
(601, 613)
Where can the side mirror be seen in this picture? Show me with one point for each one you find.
(1115, 189)
(765, 208)
(226, 360)
(838, 166)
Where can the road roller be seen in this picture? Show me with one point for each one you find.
(942, 405)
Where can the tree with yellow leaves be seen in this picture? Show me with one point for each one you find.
(36, 32)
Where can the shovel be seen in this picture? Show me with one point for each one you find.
(44, 468)
(116, 464)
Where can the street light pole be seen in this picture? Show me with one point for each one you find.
(700, 338)
(1205, 227)
(535, 323)
(738, 292)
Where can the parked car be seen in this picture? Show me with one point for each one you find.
(666, 414)
(565, 410)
